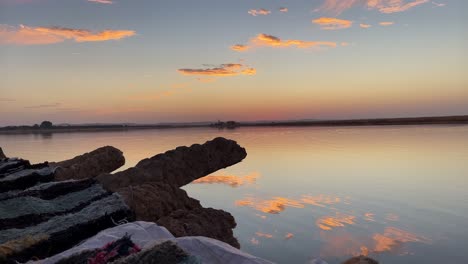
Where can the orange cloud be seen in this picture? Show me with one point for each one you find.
(383, 6)
(329, 222)
(229, 69)
(320, 200)
(283, 9)
(331, 23)
(265, 40)
(256, 12)
(231, 180)
(240, 47)
(108, 2)
(279, 204)
(393, 237)
(386, 23)
(272, 41)
(273, 206)
(369, 217)
(365, 25)
(288, 236)
(24, 35)
(265, 235)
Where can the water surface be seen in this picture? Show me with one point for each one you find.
(398, 194)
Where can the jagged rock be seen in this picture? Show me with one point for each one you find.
(151, 201)
(89, 165)
(361, 260)
(180, 166)
(61, 232)
(207, 222)
(26, 211)
(2, 155)
(50, 190)
(17, 174)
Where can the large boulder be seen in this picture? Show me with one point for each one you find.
(207, 222)
(151, 201)
(89, 165)
(2, 155)
(180, 166)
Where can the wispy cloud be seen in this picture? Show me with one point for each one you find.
(223, 70)
(439, 4)
(265, 40)
(276, 42)
(283, 9)
(383, 6)
(240, 47)
(331, 23)
(43, 106)
(365, 25)
(107, 2)
(256, 12)
(386, 23)
(25, 35)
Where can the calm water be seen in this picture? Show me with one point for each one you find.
(399, 194)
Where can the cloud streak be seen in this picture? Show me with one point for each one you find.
(383, 6)
(25, 35)
(240, 47)
(331, 23)
(386, 23)
(276, 42)
(223, 70)
(257, 12)
(265, 40)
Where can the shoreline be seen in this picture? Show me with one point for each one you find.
(410, 121)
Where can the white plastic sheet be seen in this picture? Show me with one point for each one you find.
(147, 234)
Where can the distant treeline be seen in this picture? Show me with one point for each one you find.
(47, 126)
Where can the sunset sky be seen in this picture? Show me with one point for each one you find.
(147, 61)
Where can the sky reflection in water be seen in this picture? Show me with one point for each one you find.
(395, 193)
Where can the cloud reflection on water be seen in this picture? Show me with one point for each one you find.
(278, 204)
(231, 180)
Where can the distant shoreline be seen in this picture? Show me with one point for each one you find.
(434, 120)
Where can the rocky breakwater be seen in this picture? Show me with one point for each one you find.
(151, 189)
(49, 207)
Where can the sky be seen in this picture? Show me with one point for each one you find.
(146, 61)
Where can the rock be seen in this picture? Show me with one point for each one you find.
(89, 165)
(207, 222)
(62, 231)
(151, 201)
(361, 260)
(26, 211)
(17, 174)
(180, 166)
(2, 155)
